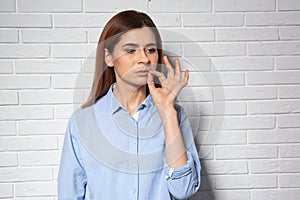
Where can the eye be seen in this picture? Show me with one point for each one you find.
(151, 50)
(130, 51)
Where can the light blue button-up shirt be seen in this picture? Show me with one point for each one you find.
(108, 154)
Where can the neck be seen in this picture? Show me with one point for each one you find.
(130, 97)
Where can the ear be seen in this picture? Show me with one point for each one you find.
(108, 58)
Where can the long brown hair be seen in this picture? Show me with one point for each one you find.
(119, 24)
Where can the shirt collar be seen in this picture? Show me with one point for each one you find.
(116, 106)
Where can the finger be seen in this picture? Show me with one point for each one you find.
(177, 69)
(169, 67)
(161, 77)
(150, 82)
(186, 78)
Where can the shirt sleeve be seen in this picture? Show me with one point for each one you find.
(185, 181)
(71, 176)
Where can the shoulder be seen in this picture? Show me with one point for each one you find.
(79, 115)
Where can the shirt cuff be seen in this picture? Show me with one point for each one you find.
(176, 173)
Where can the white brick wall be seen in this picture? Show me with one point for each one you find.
(245, 81)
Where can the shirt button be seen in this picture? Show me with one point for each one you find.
(134, 142)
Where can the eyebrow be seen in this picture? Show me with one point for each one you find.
(136, 45)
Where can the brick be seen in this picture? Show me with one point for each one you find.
(6, 190)
(25, 20)
(24, 143)
(289, 181)
(212, 20)
(272, 19)
(54, 36)
(273, 136)
(215, 79)
(24, 51)
(17, 174)
(206, 123)
(248, 122)
(276, 194)
(289, 121)
(180, 6)
(247, 34)
(216, 137)
(274, 166)
(35, 198)
(289, 5)
(288, 63)
(73, 50)
(42, 127)
(186, 35)
(274, 107)
(246, 182)
(243, 63)
(8, 160)
(8, 5)
(72, 81)
(172, 49)
(63, 111)
(225, 167)
(9, 98)
(37, 158)
(289, 92)
(245, 152)
(214, 108)
(197, 64)
(195, 94)
(272, 78)
(6, 67)
(37, 97)
(97, 5)
(244, 5)
(93, 34)
(9, 36)
(55, 172)
(26, 112)
(47, 66)
(231, 194)
(8, 128)
(289, 33)
(214, 49)
(206, 152)
(35, 189)
(50, 6)
(274, 48)
(24, 82)
(247, 93)
(232, 137)
(289, 151)
(166, 19)
(80, 20)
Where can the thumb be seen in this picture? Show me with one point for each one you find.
(150, 82)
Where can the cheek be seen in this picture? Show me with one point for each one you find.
(154, 58)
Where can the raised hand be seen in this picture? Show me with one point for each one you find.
(165, 96)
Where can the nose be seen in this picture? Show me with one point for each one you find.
(143, 56)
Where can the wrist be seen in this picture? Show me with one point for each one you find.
(167, 113)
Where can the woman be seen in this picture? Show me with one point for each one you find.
(130, 140)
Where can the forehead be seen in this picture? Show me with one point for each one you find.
(140, 36)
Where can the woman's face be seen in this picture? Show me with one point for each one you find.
(133, 56)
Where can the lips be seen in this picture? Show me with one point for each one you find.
(142, 72)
